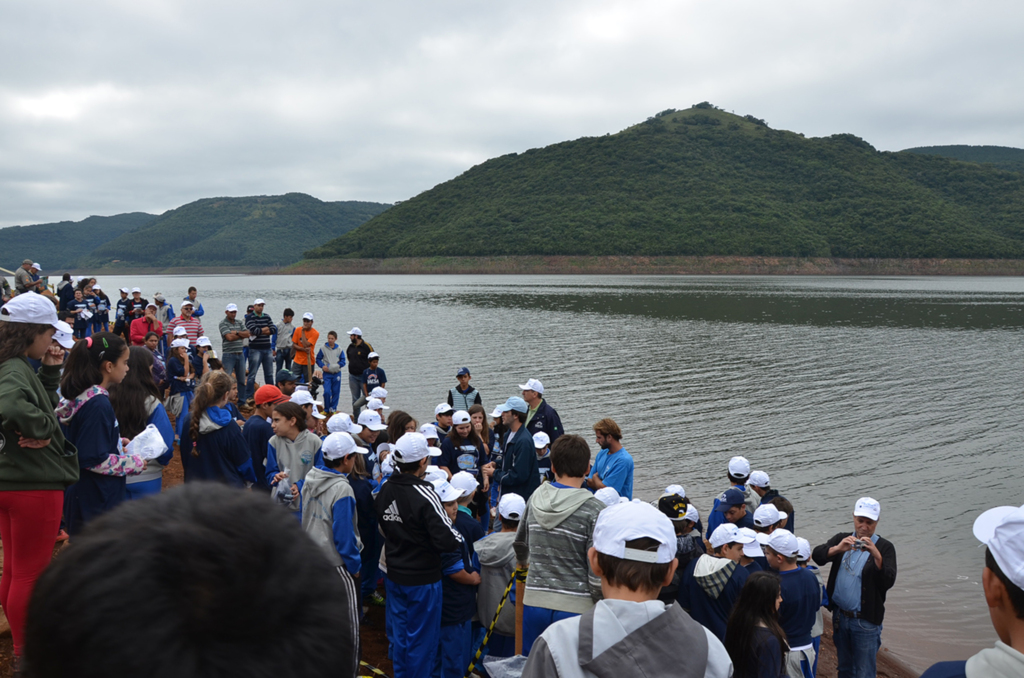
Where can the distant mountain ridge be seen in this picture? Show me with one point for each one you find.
(60, 245)
(1003, 157)
(705, 182)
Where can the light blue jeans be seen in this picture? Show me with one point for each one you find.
(234, 363)
(857, 642)
(257, 357)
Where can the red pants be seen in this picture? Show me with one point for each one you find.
(29, 522)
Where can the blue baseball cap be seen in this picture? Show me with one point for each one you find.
(514, 403)
(462, 371)
(731, 497)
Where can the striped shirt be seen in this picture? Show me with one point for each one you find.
(192, 326)
(265, 324)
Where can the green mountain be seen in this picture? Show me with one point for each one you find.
(1003, 157)
(58, 246)
(705, 182)
(254, 231)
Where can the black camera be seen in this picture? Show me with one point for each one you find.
(314, 386)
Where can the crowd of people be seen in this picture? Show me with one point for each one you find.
(438, 513)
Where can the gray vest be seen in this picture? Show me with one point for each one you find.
(462, 401)
(332, 358)
(320, 492)
(296, 456)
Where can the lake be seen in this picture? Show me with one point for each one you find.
(904, 389)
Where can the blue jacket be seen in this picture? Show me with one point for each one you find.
(957, 669)
(711, 612)
(223, 454)
(519, 472)
(94, 431)
(546, 419)
(257, 433)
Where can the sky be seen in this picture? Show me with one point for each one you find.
(113, 106)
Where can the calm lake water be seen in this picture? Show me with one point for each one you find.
(904, 389)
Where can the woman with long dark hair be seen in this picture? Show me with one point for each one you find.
(89, 421)
(137, 404)
(212, 445)
(753, 637)
(36, 462)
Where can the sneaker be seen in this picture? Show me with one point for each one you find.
(376, 599)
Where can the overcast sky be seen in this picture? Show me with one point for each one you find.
(111, 106)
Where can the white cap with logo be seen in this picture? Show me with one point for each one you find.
(340, 445)
(307, 316)
(31, 308)
(511, 506)
(180, 331)
(356, 331)
(64, 335)
(413, 447)
(728, 533)
(532, 385)
(739, 466)
(342, 423)
(445, 490)
(803, 549)
(231, 308)
(376, 404)
(675, 489)
(867, 508)
(541, 440)
(379, 392)
(759, 478)
(768, 514)
(1001, 529)
(784, 543)
(429, 431)
(465, 482)
(371, 420)
(203, 341)
(442, 408)
(621, 523)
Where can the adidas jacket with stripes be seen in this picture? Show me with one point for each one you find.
(416, 530)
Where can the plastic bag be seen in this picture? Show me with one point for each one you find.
(283, 492)
(149, 444)
(505, 667)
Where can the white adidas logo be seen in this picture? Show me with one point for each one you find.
(391, 514)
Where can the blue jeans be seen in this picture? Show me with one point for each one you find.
(284, 359)
(857, 642)
(234, 364)
(536, 619)
(257, 357)
(332, 388)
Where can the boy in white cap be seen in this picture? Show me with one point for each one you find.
(760, 484)
(629, 632)
(863, 570)
(542, 444)
(329, 518)
(689, 543)
(711, 583)
(803, 559)
(416, 530)
(739, 473)
(443, 419)
(461, 578)
(801, 599)
(1001, 530)
(497, 563)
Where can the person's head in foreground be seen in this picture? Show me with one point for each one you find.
(215, 575)
(634, 551)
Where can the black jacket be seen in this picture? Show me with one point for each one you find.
(357, 358)
(547, 420)
(874, 582)
(416, 530)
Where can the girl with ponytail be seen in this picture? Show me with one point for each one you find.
(89, 422)
(212, 446)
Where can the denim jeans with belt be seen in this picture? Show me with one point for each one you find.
(258, 357)
(857, 642)
(234, 364)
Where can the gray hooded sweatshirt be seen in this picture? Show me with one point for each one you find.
(296, 456)
(320, 492)
(554, 535)
(497, 563)
(623, 638)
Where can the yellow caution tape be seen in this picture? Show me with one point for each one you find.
(374, 670)
(520, 575)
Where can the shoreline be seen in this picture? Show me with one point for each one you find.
(668, 265)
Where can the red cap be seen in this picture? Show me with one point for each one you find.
(270, 394)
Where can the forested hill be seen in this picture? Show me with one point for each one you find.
(706, 182)
(60, 245)
(259, 231)
(1003, 157)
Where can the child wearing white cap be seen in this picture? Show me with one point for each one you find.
(629, 632)
(1001, 530)
(803, 559)
(801, 600)
(497, 563)
(738, 474)
(711, 583)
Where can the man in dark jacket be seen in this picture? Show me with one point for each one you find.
(519, 472)
(863, 570)
(540, 416)
(358, 354)
(416, 532)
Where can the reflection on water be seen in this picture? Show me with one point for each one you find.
(903, 389)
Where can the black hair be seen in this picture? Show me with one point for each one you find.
(129, 398)
(570, 456)
(521, 416)
(66, 276)
(1015, 592)
(334, 463)
(150, 334)
(294, 411)
(206, 560)
(635, 576)
(407, 467)
(192, 289)
(755, 607)
(82, 369)
(288, 312)
(508, 523)
(739, 480)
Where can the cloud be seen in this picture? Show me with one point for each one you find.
(115, 106)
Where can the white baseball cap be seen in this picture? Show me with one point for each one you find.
(31, 308)
(496, 414)
(184, 303)
(867, 508)
(541, 440)
(768, 514)
(356, 331)
(231, 307)
(445, 490)
(203, 341)
(136, 289)
(461, 417)
(751, 549)
(151, 305)
(442, 408)
(97, 287)
(532, 385)
(342, 423)
(759, 478)
(64, 335)
(675, 489)
(302, 397)
(180, 331)
(608, 495)
(413, 447)
(511, 506)
(371, 420)
(784, 543)
(430, 431)
(728, 533)
(258, 302)
(434, 473)
(465, 482)
(692, 514)
(379, 392)
(339, 445)
(1001, 529)
(125, 290)
(634, 520)
(803, 549)
(307, 316)
(179, 343)
(373, 355)
(376, 404)
(739, 466)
